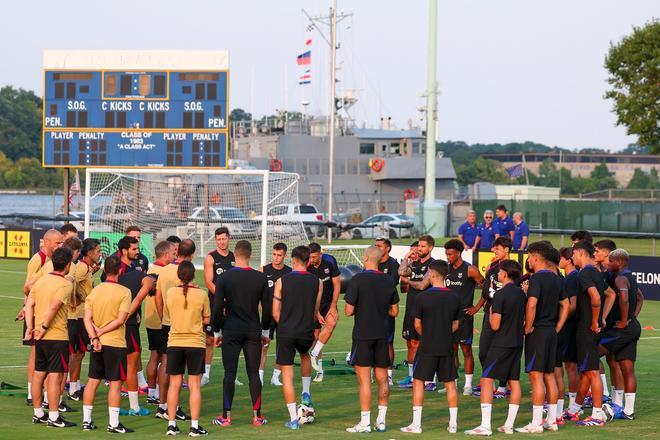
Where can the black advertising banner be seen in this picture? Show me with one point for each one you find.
(647, 272)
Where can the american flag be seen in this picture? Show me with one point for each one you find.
(304, 58)
(515, 171)
(305, 78)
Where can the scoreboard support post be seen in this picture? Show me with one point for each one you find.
(65, 202)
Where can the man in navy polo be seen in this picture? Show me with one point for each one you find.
(469, 231)
(520, 232)
(487, 231)
(503, 223)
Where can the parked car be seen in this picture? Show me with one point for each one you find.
(384, 225)
(294, 212)
(79, 223)
(235, 220)
(115, 217)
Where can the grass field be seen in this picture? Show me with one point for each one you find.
(335, 400)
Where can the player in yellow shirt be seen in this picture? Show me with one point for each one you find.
(167, 279)
(46, 308)
(189, 310)
(164, 255)
(106, 311)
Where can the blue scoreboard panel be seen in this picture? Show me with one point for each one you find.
(135, 118)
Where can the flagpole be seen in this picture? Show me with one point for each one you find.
(331, 135)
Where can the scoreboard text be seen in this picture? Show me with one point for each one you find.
(135, 118)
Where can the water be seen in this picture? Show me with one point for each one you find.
(48, 205)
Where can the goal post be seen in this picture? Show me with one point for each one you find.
(192, 203)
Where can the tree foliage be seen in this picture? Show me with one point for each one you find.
(20, 123)
(642, 180)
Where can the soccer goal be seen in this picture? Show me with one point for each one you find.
(347, 255)
(192, 203)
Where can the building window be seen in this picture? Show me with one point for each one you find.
(395, 149)
(415, 148)
(367, 148)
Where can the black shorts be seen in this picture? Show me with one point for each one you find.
(587, 350)
(164, 336)
(567, 345)
(485, 339)
(155, 339)
(108, 364)
(622, 342)
(78, 338)
(408, 331)
(180, 359)
(286, 348)
(370, 353)
(271, 332)
(391, 329)
(465, 331)
(502, 363)
(324, 308)
(51, 356)
(133, 342)
(427, 366)
(541, 350)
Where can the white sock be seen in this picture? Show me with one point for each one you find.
(113, 414)
(306, 383)
(552, 413)
(261, 376)
(78, 384)
(276, 373)
(389, 373)
(39, 412)
(293, 415)
(410, 370)
(606, 390)
(29, 390)
(501, 389)
(486, 410)
(618, 397)
(151, 392)
(171, 422)
(382, 414)
(157, 393)
(61, 398)
(207, 370)
(417, 416)
(597, 413)
(629, 408)
(142, 382)
(571, 399)
(53, 415)
(317, 348)
(163, 406)
(320, 365)
(194, 424)
(468, 381)
(537, 415)
(365, 418)
(133, 400)
(87, 413)
(73, 387)
(573, 408)
(511, 417)
(560, 407)
(453, 416)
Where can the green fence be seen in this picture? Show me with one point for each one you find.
(601, 215)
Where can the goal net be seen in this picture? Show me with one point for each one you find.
(192, 204)
(346, 255)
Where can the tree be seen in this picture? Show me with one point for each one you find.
(20, 123)
(238, 114)
(602, 177)
(639, 180)
(634, 75)
(481, 170)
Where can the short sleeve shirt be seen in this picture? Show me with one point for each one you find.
(469, 233)
(46, 289)
(437, 308)
(510, 302)
(106, 302)
(371, 293)
(187, 317)
(521, 230)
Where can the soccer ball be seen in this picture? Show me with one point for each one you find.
(348, 358)
(608, 411)
(306, 414)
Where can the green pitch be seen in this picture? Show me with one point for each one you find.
(335, 400)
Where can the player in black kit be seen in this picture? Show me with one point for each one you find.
(566, 343)
(296, 302)
(274, 271)
(389, 266)
(462, 278)
(372, 298)
(215, 263)
(239, 292)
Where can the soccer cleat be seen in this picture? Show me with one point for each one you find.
(119, 429)
(161, 414)
(571, 417)
(76, 397)
(431, 386)
(499, 395)
(623, 416)
(359, 428)
(607, 399)
(550, 426)
(530, 429)
(560, 421)
(411, 429)
(197, 432)
(143, 391)
(28, 402)
(59, 423)
(259, 421)
(315, 362)
(380, 427)
(275, 381)
(221, 421)
(238, 382)
(505, 429)
(318, 378)
(467, 391)
(405, 383)
(65, 408)
(588, 402)
(172, 430)
(140, 412)
(42, 419)
(452, 429)
(153, 400)
(292, 424)
(205, 380)
(590, 421)
(181, 415)
(306, 400)
(88, 426)
(479, 430)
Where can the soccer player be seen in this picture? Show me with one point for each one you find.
(603, 249)
(189, 311)
(176, 241)
(462, 278)
(589, 318)
(372, 298)
(469, 231)
(545, 315)
(487, 232)
(140, 284)
(413, 273)
(502, 361)
(389, 266)
(520, 232)
(141, 260)
(46, 309)
(274, 271)
(325, 267)
(296, 302)
(83, 275)
(215, 263)
(504, 226)
(68, 230)
(436, 312)
(237, 327)
(164, 252)
(106, 311)
(581, 235)
(620, 340)
(168, 278)
(566, 338)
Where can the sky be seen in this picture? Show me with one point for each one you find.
(508, 70)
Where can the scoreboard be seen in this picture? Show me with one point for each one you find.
(135, 109)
